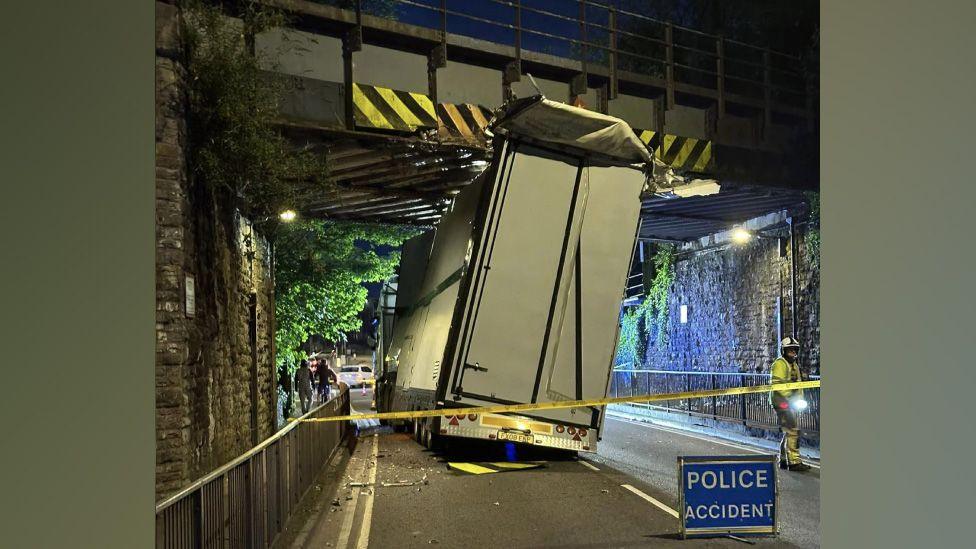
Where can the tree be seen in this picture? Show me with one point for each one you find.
(319, 274)
(235, 147)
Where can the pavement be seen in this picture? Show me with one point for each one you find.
(623, 496)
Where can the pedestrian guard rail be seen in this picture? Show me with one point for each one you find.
(751, 410)
(247, 502)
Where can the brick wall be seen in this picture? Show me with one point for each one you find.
(203, 362)
(731, 295)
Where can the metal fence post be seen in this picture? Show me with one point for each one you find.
(225, 512)
(742, 399)
(714, 399)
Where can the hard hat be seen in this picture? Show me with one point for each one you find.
(789, 342)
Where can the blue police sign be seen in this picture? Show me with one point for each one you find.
(727, 494)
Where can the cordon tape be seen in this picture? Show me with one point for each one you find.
(563, 404)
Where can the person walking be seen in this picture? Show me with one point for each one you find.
(303, 381)
(325, 377)
(284, 382)
(787, 403)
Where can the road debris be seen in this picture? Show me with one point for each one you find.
(400, 482)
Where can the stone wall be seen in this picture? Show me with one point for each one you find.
(731, 294)
(206, 413)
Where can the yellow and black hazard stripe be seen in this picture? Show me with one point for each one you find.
(483, 468)
(388, 109)
(650, 138)
(462, 121)
(686, 153)
(681, 153)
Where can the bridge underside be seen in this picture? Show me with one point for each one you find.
(383, 178)
(669, 218)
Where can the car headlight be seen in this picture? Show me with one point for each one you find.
(800, 405)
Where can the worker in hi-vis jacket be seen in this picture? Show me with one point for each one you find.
(787, 403)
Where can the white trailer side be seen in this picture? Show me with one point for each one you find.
(525, 277)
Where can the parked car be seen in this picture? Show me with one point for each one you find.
(356, 375)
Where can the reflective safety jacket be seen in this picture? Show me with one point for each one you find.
(784, 372)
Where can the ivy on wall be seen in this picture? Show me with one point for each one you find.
(813, 233)
(650, 318)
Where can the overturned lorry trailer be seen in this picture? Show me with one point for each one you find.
(515, 297)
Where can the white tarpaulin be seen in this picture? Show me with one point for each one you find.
(542, 121)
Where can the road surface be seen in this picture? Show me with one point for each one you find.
(624, 496)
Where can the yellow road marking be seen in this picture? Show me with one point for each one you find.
(470, 468)
(510, 465)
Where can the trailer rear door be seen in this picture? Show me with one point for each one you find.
(518, 291)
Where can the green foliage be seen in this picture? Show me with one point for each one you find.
(232, 107)
(813, 231)
(633, 339)
(650, 317)
(656, 304)
(319, 274)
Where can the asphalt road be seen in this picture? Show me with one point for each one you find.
(648, 453)
(567, 503)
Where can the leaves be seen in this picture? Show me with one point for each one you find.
(651, 316)
(319, 274)
(812, 240)
(232, 109)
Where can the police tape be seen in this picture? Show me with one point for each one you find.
(564, 404)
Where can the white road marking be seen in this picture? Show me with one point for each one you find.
(689, 435)
(345, 530)
(363, 540)
(588, 465)
(350, 512)
(653, 501)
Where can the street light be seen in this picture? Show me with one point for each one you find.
(740, 235)
(288, 216)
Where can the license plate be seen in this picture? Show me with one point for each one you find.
(515, 437)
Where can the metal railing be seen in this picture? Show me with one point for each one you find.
(752, 410)
(247, 502)
(597, 33)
